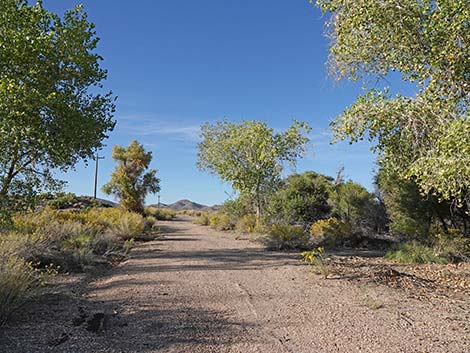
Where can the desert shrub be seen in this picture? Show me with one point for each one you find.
(18, 284)
(191, 213)
(130, 226)
(415, 253)
(246, 224)
(104, 218)
(67, 245)
(72, 239)
(161, 214)
(331, 232)
(203, 219)
(105, 242)
(221, 221)
(318, 261)
(262, 229)
(20, 281)
(285, 237)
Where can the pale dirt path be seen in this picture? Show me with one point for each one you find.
(199, 290)
(203, 291)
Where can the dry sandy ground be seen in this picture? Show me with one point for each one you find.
(199, 290)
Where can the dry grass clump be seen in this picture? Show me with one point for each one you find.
(20, 281)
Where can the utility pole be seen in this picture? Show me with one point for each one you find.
(97, 159)
(158, 201)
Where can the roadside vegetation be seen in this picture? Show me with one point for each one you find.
(49, 241)
(160, 214)
(422, 199)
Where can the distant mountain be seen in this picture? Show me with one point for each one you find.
(183, 205)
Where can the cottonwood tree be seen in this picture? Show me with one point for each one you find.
(131, 182)
(49, 117)
(423, 138)
(250, 155)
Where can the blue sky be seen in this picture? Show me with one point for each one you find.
(175, 65)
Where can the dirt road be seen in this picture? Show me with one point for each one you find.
(199, 290)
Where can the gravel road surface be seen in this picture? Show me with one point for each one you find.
(199, 290)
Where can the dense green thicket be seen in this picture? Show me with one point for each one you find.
(296, 212)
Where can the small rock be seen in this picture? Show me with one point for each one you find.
(96, 323)
(56, 341)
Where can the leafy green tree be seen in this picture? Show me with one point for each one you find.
(353, 204)
(250, 155)
(413, 214)
(424, 138)
(302, 199)
(49, 117)
(130, 182)
(410, 213)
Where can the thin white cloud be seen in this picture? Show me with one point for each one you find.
(148, 125)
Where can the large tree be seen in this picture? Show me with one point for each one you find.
(426, 137)
(131, 182)
(51, 114)
(250, 155)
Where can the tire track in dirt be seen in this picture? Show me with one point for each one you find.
(200, 291)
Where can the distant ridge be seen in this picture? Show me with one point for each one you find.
(184, 205)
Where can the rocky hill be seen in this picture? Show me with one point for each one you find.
(183, 205)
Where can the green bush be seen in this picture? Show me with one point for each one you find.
(331, 232)
(285, 237)
(415, 253)
(301, 199)
(246, 224)
(452, 247)
(221, 221)
(203, 219)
